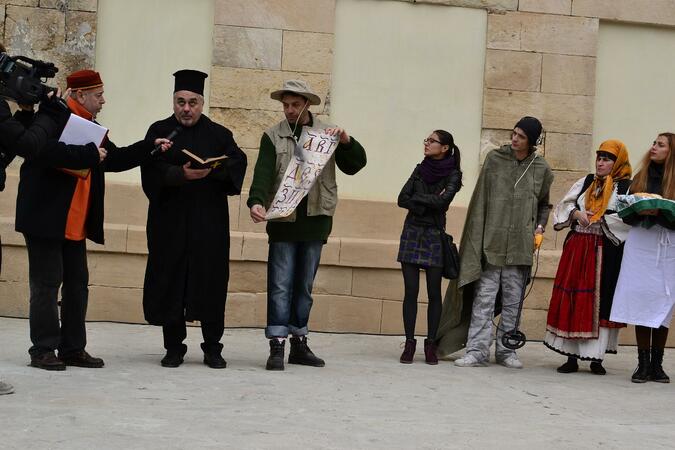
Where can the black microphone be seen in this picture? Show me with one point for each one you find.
(171, 135)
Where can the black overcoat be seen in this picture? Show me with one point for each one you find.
(188, 224)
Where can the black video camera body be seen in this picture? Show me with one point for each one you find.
(22, 79)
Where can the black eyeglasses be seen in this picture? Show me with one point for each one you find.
(431, 141)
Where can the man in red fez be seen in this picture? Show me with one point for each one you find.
(86, 90)
(57, 210)
(188, 224)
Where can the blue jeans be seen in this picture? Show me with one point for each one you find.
(291, 268)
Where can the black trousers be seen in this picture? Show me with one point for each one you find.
(54, 263)
(176, 332)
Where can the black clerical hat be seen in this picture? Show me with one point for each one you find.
(190, 80)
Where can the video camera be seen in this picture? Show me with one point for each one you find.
(22, 78)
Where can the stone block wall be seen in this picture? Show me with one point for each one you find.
(58, 31)
(540, 60)
(259, 44)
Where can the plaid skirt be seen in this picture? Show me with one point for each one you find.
(420, 245)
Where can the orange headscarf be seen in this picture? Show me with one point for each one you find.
(600, 191)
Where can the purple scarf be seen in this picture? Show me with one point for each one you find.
(434, 170)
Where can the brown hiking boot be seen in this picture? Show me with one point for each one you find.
(82, 359)
(47, 361)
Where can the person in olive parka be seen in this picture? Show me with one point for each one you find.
(188, 224)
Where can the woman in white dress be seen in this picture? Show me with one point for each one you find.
(645, 291)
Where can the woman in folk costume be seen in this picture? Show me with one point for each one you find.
(426, 195)
(578, 324)
(645, 291)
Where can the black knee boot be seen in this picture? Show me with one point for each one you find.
(657, 374)
(641, 374)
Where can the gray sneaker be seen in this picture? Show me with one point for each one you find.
(469, 360)
(6, 388)
(512, 362)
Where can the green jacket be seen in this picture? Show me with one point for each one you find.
(510, 199)
(312, 219)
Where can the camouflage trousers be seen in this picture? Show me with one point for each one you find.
(511, 280)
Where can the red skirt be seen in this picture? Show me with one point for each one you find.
(575, 302)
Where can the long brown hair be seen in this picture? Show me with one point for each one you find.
(668, 184)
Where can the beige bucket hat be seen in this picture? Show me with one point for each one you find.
(298, 87)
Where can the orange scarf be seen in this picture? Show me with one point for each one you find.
(78, 109)
(79, 205)
(600, 191)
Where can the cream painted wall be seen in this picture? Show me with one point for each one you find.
(402, 70)
(139, 44)
(635, 95)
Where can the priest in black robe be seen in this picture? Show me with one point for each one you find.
(188, 224)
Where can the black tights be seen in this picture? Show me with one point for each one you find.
(411, 281)
(657, 336)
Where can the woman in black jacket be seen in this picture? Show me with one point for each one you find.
(426, 195)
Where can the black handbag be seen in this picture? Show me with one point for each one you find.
(449, 254)
(450, 257)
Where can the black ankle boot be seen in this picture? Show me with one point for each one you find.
(641, 374)
(597, 369)
(301, 354)
(570, 366)
(657, 374)
(276, 358)
(174, 356)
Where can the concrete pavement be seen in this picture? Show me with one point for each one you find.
(363, 398)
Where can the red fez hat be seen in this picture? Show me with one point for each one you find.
(84, 79)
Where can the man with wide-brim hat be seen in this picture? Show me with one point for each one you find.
(188, 224)
(296, 241)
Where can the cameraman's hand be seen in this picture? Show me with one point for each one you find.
(29, 108)
(165, 144)
(194, 174)
(102, 153)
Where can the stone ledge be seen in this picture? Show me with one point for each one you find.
(253, 247)
(300, 15)
(491, 5)
(654, 12)
(544, 33)
(563, 7)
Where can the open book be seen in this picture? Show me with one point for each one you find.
(208, 163)
(79, 131)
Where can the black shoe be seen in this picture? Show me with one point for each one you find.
(174, 357)
(657, 374)
(215, 360)
(301, 354)
(570, 366)
(597, 369)
(643, 370)
(82, 359)
(276, 358)
(47, 361)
